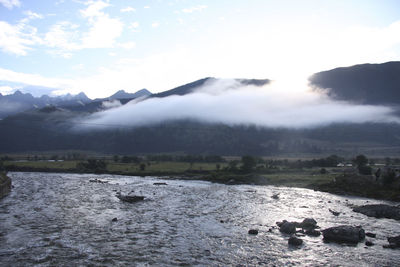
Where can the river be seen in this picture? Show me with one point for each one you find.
(53, 219)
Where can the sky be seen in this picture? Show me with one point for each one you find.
(99, 47)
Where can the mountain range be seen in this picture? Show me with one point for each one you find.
(47, 127)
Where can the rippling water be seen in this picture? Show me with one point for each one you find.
(65, 220)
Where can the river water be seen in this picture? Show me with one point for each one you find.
(53, 219)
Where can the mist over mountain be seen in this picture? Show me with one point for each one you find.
(19, 102)
(217, 116)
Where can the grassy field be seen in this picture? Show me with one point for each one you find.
(150, 167)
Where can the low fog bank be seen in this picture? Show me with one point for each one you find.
(229, 102)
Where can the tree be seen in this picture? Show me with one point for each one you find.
(142, 166)
(116, 158)
(361, 160)
(248, 163)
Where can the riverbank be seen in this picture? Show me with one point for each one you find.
(332, 181)
(5, 185)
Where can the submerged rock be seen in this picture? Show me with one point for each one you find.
(294, 241)
(160, 183)
(370, 235)
(394, 242)
(369, 243)
(379, 211)
(114, 220)
(334, 212)
(130, 199)
(344, 234)
(253, 232)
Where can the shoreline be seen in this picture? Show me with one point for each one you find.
(5, 185)
(350, 185)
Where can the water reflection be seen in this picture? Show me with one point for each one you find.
(64, 219)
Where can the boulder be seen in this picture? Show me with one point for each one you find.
(344, 234)
(294, 241)
(308, 223)
(287, 227)
(379, 211)
(312, 232)
(394, 242)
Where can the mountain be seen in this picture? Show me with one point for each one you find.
(376, 84)
(49, 129)
(18, 102)
(121, 94)
(193, 86)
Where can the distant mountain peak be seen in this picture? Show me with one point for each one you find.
(122, 94)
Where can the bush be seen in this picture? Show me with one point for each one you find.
(365, 170)
(92, 165)
(389, 177)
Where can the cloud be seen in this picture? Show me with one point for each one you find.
(226, 101)
(127, 9)
(33, 79)
(94, 9)
(194, 9)
(111, 104)
(127, 45)
(10, 3)
(6, 90)
(134, 26)
(155, 24)
(103, 31)
(17, 39)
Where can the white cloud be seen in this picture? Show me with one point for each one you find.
(134, 26)
(103, 32)
(6, 90)
(63, 35)
(33, 79)
(10, 3)
(127, 9)
(127, 45)
(194, 9)
(146, 7)
(94, 9)
(32, 15)
(233, 104)
(155, 24)
(111, 104)
(17, 39)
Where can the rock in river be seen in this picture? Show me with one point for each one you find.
(394, 242)
(379, 211)
(287, 227)
(253, 232)
(344, 234)
(294, 241)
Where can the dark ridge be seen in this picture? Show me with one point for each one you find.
(376, 84)
(184, 89)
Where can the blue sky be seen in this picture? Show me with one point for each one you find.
(99, 47)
